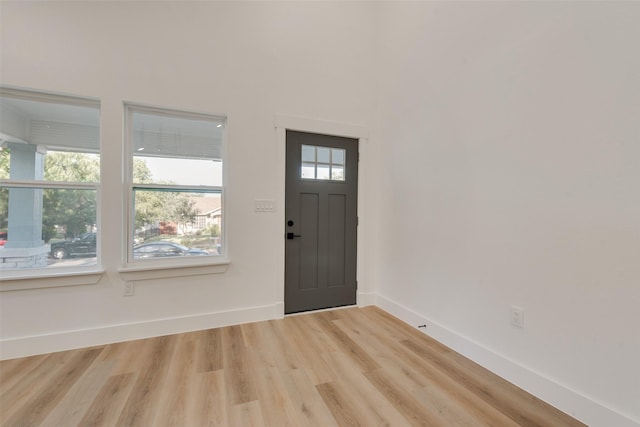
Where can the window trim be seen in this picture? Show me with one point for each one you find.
(168, 268)
(175, 266)
(55, 278)
(50, 97)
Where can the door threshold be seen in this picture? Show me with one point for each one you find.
(341, 307)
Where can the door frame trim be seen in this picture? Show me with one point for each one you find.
(302, 124)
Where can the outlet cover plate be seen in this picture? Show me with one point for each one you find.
(128, 289)
(517, 316)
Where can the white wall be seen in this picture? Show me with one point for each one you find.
(510, 134)
(503, 168)
(248, 61)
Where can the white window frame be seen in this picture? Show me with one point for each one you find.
(136, 269)
(11, 280)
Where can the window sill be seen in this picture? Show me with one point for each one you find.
(18, 281)
(159, 270)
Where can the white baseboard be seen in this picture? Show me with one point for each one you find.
(68, 340)
(366, 298)
(279, 310)
(583, 408)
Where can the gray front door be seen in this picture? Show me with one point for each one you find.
(321, 221)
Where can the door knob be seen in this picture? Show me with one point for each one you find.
(291, 236)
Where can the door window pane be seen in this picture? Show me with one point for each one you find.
(324, 155)
(337, 173)
(337, 156)
(308, 153)
(324, 172)
(308, 171)
(323, 163)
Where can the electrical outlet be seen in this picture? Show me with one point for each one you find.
(517, 316)
(128, 289)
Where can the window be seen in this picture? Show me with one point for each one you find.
(176, 184)
(322, 163)
(49, 176)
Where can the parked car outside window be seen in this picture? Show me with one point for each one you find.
(82, 246)
(165, 249)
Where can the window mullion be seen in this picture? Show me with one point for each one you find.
(61, 185)
(179, 188)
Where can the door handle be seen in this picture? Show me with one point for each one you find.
(291, 236)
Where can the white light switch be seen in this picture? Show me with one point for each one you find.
(265, 205)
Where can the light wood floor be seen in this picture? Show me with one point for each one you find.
(350, 367)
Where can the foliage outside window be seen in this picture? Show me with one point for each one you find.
(49, 175)
(175, 184)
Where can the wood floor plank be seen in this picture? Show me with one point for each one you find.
(343, 343)
(256, 336)
(127, 355)
(379, 346)
(72, 407)
(176, 388)
(306, 399)
(45, 399)
(154, 363)
(271, 345)
(402, 399)
(238, 373)
(389, 326)
(340, 404)
(210, 356)
(311, 324)
(14, 370)
(13, 398)
(286, 348)
(276, 406)
(270, 359)
(247, 414)
(114, 351)
(309, 351)
(209, 404)
(108, 404)
(373, 407)
(450, 413)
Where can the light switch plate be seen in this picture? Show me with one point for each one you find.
(265, 205)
